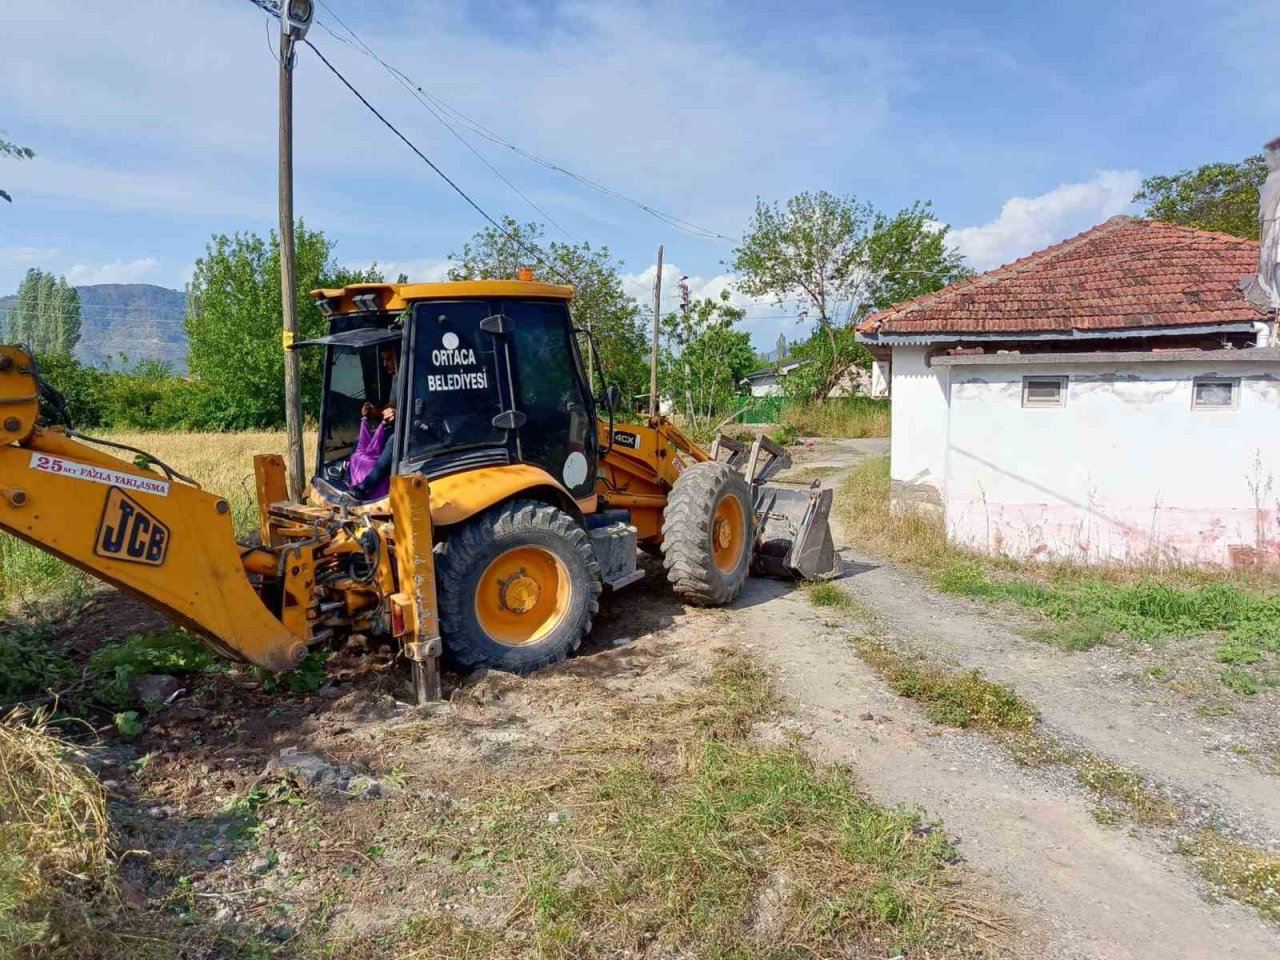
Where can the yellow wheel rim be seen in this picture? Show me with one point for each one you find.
(522, 595)
(728, 534)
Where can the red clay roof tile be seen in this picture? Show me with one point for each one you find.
(1124, 273)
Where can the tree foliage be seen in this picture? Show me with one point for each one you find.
(11, 151)
(1217, 196)
(843, 259)
(46, 315)
(704, 358)
(599, 302)
(233, 320)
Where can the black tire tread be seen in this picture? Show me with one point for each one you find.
(686, 534)
(468, 545)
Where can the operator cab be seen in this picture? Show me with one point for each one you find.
(478, 373)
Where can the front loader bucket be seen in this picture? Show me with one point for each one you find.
(794, 535)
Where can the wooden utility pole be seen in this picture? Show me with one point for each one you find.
(288, 283)
(653, 357)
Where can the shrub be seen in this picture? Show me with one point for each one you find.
(844, 417)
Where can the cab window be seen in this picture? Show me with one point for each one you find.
(550, 387)
(456, 390)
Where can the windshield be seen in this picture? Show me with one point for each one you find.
(356, 376)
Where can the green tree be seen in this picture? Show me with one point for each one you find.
(1217, 196)
(12, 151)
(704, 358)
(599, 302)
(233, 319)
(843, 259)
(46, 315)
(66, 332)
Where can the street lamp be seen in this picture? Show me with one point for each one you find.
(295, 20)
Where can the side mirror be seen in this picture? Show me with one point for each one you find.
(612, 397)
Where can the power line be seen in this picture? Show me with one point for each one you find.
(427, 99)
(440, 173)
(417, 95)
(533, 253)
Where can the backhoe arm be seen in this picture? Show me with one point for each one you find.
(168, 543)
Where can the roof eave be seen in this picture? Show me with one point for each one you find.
(1117, 333)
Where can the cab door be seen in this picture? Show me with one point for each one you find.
(557, 430)
(459, 389)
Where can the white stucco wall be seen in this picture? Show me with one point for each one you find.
(1126, 470)
(766, 387)
(918, 445)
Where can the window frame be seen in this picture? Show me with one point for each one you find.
(1061, 380)
(1232, 382)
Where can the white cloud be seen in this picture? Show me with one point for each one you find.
(118, 271)
(418, 271)
(28, 256)
(1027, 224)
(764, 319)
(655, 112)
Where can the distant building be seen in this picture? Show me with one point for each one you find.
(767, 381)
(1110, 398)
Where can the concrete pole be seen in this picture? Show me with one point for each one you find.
(294, 465)
(653, 358)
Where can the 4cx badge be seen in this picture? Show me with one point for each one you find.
(129, 532)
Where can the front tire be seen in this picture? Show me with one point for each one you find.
(518, 587)
(706, 534)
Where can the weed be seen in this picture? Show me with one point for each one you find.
(912, 536)
(828, 595)
(172, 651)
(949, 697)
(839, 417)
(32, 662)
(303, 681)
(53, 836)
(1240, 680)
(1085, 611)
(785, 435)
(1243, 873)
(669, 829)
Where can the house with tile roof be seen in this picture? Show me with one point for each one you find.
(1111, 398)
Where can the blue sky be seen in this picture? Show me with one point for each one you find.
(154, 122)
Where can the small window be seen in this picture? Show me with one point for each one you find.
(1044, 391)
(1214, 393)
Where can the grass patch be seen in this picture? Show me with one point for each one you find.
(1242, 872)
(1085, 606)
(53, 838)
(951, 698)
(862, 507)
(1086, 611)
(829, 595)
(671, 831)
(36, 667)
(31, 578)
(839, 417)
(967, 699)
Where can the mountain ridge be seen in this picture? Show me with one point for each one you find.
(141, 321)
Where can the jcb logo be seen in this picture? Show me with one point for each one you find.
(129, 532)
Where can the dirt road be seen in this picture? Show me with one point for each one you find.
(1083, 890)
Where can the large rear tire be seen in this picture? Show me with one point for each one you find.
(706, 534)
(517, 588)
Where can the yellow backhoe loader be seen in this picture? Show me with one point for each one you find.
(508, 507)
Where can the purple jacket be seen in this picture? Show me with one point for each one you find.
(368, 448)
